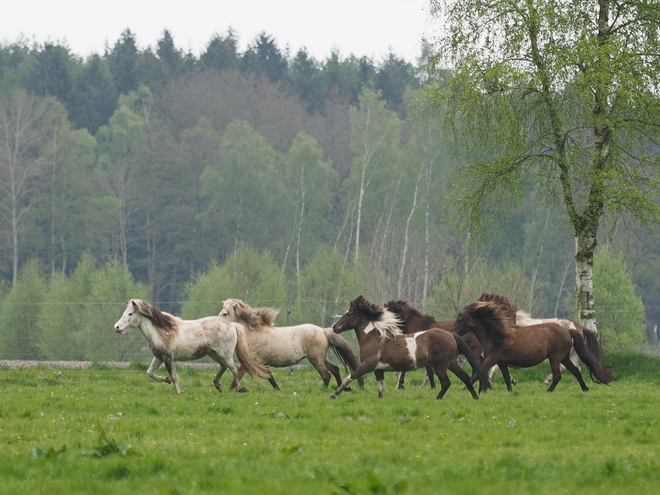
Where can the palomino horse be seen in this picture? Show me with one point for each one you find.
(170, 338)
(507, 344)
(383, 347)
(285, 346)
(413, 321)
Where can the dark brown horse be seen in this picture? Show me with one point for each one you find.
(383, 347)
(508, 344)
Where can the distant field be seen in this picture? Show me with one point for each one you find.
(107, 430)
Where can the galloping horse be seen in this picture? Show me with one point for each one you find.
(524, 319)
(286, 346)
(172, 339)
(508, 344)
(413, 321)
(383, 347)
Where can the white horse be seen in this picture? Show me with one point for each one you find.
(172, 339)
(286, 346)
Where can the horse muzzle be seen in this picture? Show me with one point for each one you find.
(119, 330)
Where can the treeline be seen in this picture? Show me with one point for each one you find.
(90, 89)
(168, 165)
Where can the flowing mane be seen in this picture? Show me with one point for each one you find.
(406, 311)
(385, 322)
(495, 317)
(164, 323)
(506, 304)
(254, 318)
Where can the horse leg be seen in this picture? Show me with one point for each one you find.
(155, 364)
(216, 380)
(334, 370)
(464, 377)
(556, 374)
(319, 364)
(445, 383)
(171, 369)
(507, 377)
(380, 378)
(360, 371)
(570, 366)
(400, 381)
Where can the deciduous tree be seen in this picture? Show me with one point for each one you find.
(561, 95)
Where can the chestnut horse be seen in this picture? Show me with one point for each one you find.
(170, 338)
(508, 344)
(286, 346)
(383, 347)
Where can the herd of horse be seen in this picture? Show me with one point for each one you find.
(490, 334)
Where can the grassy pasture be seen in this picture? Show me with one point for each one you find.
(105, 430)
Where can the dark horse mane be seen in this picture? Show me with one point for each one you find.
(164, 323)
(405, 310)
(372, 311)
(495, 317)
(504, 302)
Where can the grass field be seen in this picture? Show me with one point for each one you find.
(105, 430)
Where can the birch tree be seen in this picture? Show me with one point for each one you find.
(374, 129)
(22, 134)
(559, 95)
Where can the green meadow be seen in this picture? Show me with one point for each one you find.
(107, 430)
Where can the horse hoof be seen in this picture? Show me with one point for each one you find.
(241, 389)
(218, 387)
(332, 397)
(168, 380)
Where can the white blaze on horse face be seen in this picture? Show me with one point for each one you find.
(411, 344)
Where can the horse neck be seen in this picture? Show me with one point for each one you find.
(153, 335)
(361, 331)
(479, 330)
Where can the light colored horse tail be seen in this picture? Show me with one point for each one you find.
(598, 371)
(251, 366)
(475, 362)
(343, 351)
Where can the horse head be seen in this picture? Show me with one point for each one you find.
(130, 317)
(372, 316)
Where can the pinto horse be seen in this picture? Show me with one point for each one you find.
(170, 338)
(508, 344)
(383, 347)
(413, 321)
(286, 346)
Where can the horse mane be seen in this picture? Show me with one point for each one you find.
(504, 302)
(254, 318)
(386, 323)
(406, 311)
(495, 317)
(164, 323)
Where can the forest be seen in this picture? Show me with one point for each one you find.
(267, 176)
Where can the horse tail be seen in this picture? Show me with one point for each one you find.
(593, 344)
(251, 366)
(475, 361)
(598, 371)
(343, 351)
